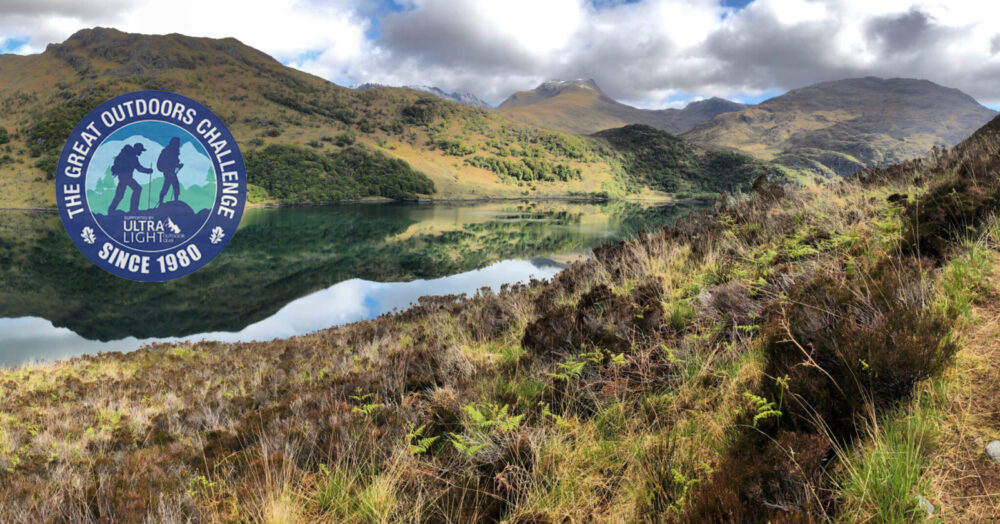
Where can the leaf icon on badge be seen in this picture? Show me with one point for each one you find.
(88, 235)
(217, 235)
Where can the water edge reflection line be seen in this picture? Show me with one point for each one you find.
(27, 339)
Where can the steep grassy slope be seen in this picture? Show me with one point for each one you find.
(265, 104)
(840, 127)
(731, 368)
(579, 106)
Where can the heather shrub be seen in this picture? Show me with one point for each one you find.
(841, 344)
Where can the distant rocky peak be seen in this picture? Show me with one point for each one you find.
(462, 97)
(556, 86)
(716, 105)
(366, 86)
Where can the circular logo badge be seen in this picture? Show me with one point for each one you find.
(151, 186)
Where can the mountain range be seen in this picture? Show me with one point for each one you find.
(579, 106)
(308, 140)
(304, 138)
(831, 128)
(839, 127)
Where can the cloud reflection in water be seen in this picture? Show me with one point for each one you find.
(32, 338)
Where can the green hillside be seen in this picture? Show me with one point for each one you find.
(669, 163)
(421, 145)
(294, 174)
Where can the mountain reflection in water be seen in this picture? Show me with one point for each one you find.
(290, 271)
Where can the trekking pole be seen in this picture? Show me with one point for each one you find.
(149, 187)
(177, 184)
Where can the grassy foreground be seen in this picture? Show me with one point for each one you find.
(761, 363)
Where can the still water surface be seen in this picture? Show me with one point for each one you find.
(290, 271)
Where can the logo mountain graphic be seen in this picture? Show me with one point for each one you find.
(173, 227)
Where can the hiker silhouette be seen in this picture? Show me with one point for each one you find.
(122, 168)
(169, 163)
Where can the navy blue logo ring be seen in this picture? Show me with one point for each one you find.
(151, 186)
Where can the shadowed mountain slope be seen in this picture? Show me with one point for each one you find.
(842, 126)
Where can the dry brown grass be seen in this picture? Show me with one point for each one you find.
(964, 482)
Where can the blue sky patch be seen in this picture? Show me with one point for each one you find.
(308, 56)
(746, 98)
(11, 45)
(377, 10)
(684, 98)
(735, 4)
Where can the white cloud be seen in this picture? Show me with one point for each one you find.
(791, 12)
(282, 28)
(658, 51)
(651, 51)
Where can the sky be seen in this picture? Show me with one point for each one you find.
(649, 53)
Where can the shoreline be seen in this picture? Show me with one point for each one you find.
(564, 257)
(582, 199)
(125, 345)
